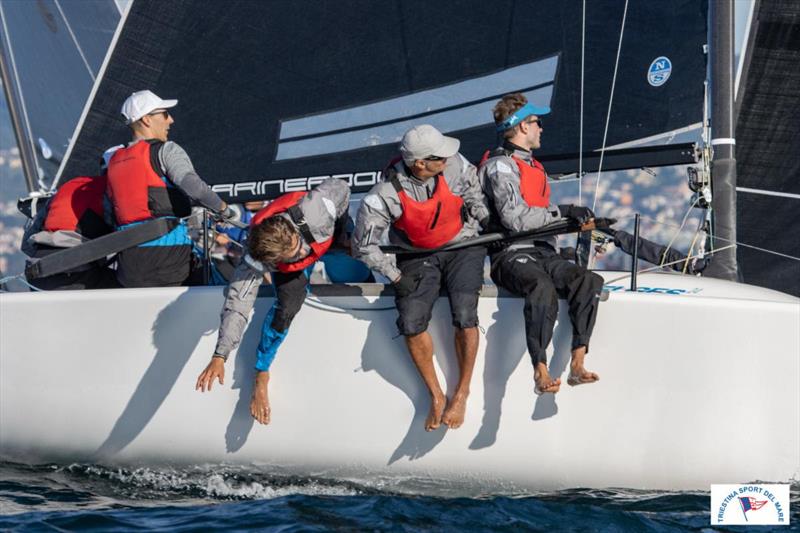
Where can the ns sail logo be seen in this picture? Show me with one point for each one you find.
(659, 71)
(750, 504)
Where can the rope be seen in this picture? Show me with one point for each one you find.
(610, 103)
(691, 251)
(315, 303)
(580, 142)
(680, 228)
(649, 269)
(21, 279)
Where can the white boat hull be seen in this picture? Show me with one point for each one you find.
(697, 387)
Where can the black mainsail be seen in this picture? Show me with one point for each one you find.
(274, 97)
(767, 141)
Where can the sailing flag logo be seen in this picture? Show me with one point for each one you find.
(750, 504)
(659, 71)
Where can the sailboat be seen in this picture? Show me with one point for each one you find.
(699, 376)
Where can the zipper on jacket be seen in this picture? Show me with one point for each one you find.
(436, 216)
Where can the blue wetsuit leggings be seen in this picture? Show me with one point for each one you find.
(291, 293)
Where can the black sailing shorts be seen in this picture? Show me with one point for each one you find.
(459, 272)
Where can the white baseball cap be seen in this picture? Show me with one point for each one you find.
(425, 141)
(141, 103)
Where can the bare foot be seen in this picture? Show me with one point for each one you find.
(543, 382)
(581, 376)
(259, 403)
(456, 409)
(578, 375)
(435, 416)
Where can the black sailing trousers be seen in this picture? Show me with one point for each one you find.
(540, 276)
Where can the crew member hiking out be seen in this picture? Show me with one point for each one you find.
(431, 197)
(151, 178)
(286, 238)
(519, 196)
(71, 217)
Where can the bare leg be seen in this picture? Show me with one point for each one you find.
(420, 347)
(578, 375)
(466, 341)
(259, 403)
(543, 381)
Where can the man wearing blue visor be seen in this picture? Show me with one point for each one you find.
(516, 188)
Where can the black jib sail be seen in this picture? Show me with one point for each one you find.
(276, 96)
(767, 140)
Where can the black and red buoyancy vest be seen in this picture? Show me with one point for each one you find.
(136, 189)
(287, 203)
(432, 223)
(533, 183)
(78, 207)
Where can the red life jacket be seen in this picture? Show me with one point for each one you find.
(533, 183)
(78, 206)
(136, 189)
(288, 203)
(432, 223)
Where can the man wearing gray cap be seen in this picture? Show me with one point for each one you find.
(154, 178)
(430, 197)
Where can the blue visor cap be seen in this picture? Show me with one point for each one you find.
(521, 114)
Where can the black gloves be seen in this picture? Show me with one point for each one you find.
(579, 213)
(406, 284)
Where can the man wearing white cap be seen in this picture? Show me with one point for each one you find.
(430, 197)
(519, 195)
(153, 178)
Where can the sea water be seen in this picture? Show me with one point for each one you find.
(52, 497)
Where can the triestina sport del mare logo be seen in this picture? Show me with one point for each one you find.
(752, 504)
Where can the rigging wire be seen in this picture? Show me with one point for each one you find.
(580, 142)
(75, 40)
(610, 104)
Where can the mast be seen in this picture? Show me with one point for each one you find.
(723, 142)
(10, 88)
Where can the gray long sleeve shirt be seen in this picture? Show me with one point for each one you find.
(321, 207)
(381, 207)
(500, 177)
(179, 170)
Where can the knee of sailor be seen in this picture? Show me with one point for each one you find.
(596, 281)
(281, 321)
(412, 325)
(464, 309)
(284, 314)
(590, 281)
(543, 291)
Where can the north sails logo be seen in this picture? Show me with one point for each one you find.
(458, 106)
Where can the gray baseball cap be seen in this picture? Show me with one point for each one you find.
(425, 141)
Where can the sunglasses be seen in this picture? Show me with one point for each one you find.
(536, 121)
(164, 113)
(435, 158)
